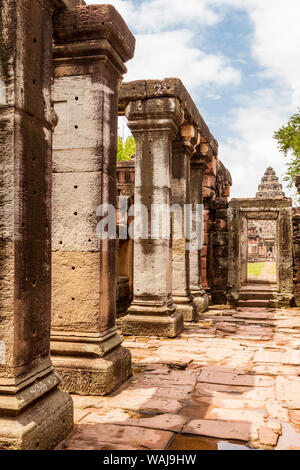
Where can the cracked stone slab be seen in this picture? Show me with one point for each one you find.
(288, 390)
(276, 410)
(207, 376)
(94, 436)
(227, 391)
(145, 399)
(165, 422)
(222, 429)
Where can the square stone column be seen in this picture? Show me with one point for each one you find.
(91, 45)
(154, 124)
(199, 163)
(183, 149)
(34, 413)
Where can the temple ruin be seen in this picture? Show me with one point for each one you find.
(69, 292)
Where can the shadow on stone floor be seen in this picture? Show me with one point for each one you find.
(231, 379)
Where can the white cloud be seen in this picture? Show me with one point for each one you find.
(248, 155)
(170, 54)
(165, 47)
(160, 15)
(276, 38)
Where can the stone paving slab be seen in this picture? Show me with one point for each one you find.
(235, 379)
(88, 436)
(222, 429)
(206, 383)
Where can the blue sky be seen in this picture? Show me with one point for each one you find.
(239, 59)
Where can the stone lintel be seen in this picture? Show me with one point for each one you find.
(89, 31)
(169, 87)
(254, 204)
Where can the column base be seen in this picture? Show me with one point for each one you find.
(40, 424)
(153, 318)
(201, 301)
(96, 376)
(187, 307)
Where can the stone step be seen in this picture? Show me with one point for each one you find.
(258, 303)
(263, 295)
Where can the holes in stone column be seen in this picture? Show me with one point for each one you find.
(34, 283)
(75, 213)
(73, 298)
(34, 332)
(76, 127)
(89, 240)
(34, 81)
(34, 40)
(60, 242)
(76, 98)
(37, 444)
(34, 191)
(73, 268)
(75, 187)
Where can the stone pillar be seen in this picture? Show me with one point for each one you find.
(91, 45)
(199, 164)
(34, 413)
(296, 247)
(154, 124)
(209, 196)
(183, 149)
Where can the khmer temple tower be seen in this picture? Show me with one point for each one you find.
(270, 186)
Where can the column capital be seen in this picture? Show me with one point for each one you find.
(92, 32)
(190, 138)
(157, 114)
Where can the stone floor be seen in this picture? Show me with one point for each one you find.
(231, 381)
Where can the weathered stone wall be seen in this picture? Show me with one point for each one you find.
(296, 246)
(219, 238)
(296, 254)
(216, 191)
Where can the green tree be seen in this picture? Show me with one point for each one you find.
(288, 139)
(126, 150)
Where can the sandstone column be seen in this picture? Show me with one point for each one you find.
(154, 124)
(91, 45)
(199, 164)
(34, 413)
(183, 149)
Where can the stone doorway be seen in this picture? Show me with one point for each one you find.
(262, 251)
(245, 216)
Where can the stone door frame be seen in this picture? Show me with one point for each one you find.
(243, 210)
